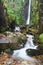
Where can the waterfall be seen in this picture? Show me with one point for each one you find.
(29, 9)
(21, 53)
(29, 43)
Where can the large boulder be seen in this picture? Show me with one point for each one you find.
(34, 52)
(16, 37)
(15, 41)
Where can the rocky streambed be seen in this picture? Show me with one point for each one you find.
(17, 41)
(6, 59)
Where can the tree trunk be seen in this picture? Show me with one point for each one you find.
(3, 17)
(1, 13)
(40, 16)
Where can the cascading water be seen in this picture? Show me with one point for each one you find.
(21, 53)
(29, 43)
(29, 9)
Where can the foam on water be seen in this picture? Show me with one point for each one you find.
(21, 53)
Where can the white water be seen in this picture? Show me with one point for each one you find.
(17, 28)
(29, 9)
(21, 53)
(29, 43)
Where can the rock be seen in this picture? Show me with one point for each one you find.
(6, 60)
(3, 39)
(15, 41)
(2, 36)
(41, 38)
(39, 59)
(40, 47)
(34, 52)
(15, 37)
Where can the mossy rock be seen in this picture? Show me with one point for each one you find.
(41, 39)
(16, 38)
(34, 52)
(16, 41)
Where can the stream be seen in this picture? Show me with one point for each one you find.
(21, 53)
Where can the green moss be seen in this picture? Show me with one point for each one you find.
(41, 40)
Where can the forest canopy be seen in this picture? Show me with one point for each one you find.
(17, 9)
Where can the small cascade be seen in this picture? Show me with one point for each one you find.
(29, 9)
(29, 43)
(21, 53)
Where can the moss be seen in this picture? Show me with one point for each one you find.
(41, 40)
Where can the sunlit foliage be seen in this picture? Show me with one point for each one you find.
(34, 12)
(15, 9)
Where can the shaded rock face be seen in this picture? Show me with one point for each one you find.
(40, 47)
(10, 47)
(33, 52)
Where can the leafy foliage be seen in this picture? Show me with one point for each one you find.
(34, 12)
(15, 9)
